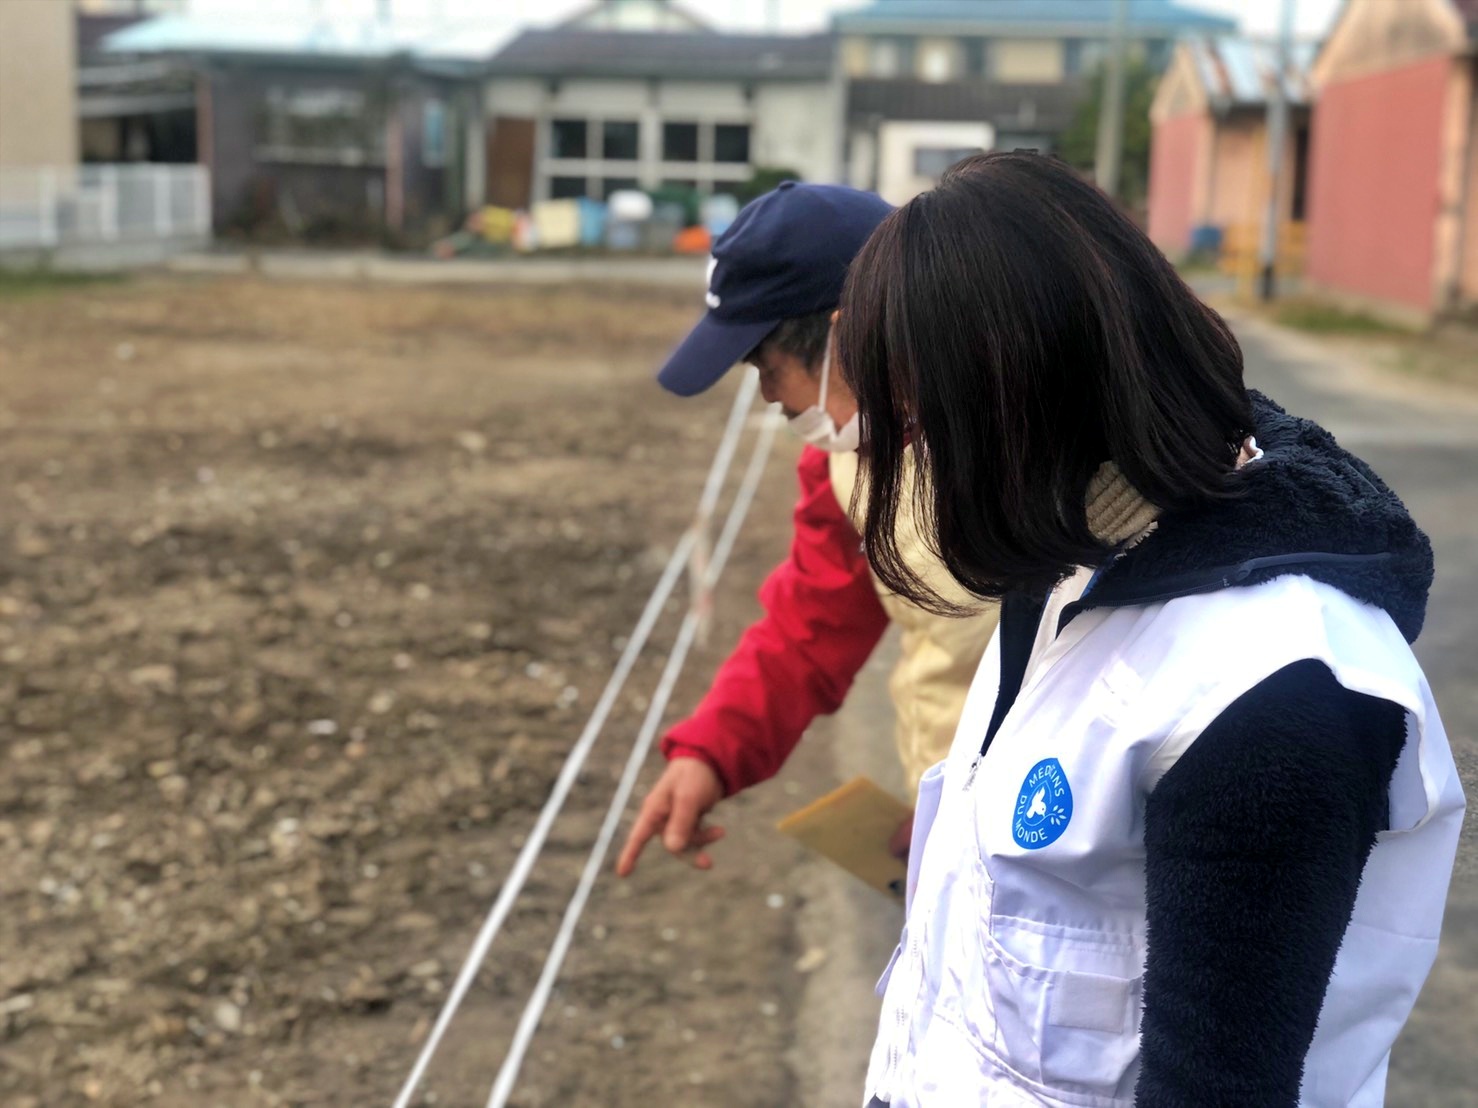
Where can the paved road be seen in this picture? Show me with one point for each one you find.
(1425, 444)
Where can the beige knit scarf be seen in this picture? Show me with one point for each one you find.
(1117, 514)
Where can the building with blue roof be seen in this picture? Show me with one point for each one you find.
(965, 17)
(385, 129)
(930, 81)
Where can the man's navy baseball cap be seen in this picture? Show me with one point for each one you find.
(786, 255)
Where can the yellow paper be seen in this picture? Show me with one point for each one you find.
(851, 827)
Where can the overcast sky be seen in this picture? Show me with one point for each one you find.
(1258, 16)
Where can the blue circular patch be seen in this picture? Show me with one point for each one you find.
(1044, 806)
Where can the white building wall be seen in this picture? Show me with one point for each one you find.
(615, 99)
(798, 126)
(1029, 60)
(723, 101)
(516, 96)
(795, 125)
(861, 159)
(900, 143)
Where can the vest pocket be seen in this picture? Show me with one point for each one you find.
(1069, 1029)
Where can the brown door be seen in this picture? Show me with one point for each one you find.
(510, 162)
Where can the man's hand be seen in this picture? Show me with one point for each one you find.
(675, 808)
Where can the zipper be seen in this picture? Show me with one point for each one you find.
(1061, 644)
(970, 776)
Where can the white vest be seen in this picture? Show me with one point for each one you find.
(1018, 977)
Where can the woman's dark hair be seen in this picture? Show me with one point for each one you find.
(1016, 330)
(803, 337)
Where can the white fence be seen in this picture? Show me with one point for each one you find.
(47, 208)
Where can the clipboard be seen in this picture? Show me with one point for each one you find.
(851, 826)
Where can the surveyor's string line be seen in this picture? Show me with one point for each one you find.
(533, 1011)
(575, 760)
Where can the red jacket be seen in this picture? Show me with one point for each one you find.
(822, 619)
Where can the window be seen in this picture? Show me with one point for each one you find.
(933, 161)
(891, 57)
(619, 140)
(566, 188)
(567, 138)
(1082, 56)
(331, 126)
(679, 142)
(670, 183)
(977, 57)
(731, 142)
(617, 184)
(433, 134)
(938, 60)
(1157, 53)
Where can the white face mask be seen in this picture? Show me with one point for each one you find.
(815, 425)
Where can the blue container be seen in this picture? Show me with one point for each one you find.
(1206, 239)
(719, 213)
(592, 222)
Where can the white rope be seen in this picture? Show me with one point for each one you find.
(724, 457)
(700, 594)
(745, 496)
(575, 760)
(533, 1011)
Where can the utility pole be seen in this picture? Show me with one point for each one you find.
(1110, 153)
(1277, 140)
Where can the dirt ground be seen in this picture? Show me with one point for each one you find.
(304, 591)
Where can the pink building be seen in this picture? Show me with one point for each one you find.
(1209, 175)
(1393, 188)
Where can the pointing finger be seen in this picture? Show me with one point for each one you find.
(647, 824)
